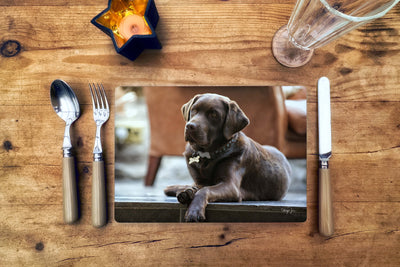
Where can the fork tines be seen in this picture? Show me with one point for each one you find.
(98, 92)
(101, 113)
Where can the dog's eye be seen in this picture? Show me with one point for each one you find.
(212, 114)
(193, 112)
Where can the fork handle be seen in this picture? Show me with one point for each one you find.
(99, 211)
(70, 198)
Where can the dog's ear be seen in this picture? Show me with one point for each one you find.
(186, 107)
(235, 120)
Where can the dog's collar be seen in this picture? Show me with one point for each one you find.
(197, 155)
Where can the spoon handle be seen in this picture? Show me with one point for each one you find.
(70, 198)
(99, 214)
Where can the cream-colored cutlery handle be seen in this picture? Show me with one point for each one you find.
(99, 210)
(70, 198)
(325, 203)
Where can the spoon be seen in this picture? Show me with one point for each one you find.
(66, 105)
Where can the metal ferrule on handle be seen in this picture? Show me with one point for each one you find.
(67, 146)
(324, 164)
(324, 160)
(67, 152)
(97, 156)
(98, 150)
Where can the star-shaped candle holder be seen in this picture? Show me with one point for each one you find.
(131, 25)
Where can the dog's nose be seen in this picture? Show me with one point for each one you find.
(190, 126)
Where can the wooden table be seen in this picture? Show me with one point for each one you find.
(204, 43)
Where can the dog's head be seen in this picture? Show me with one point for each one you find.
(211, 120)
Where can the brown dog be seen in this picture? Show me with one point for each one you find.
(224, 163)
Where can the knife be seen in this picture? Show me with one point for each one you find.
(325, 152)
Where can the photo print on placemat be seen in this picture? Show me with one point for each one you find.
(242, 150)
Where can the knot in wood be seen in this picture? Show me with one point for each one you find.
(39, 246)
(7, 145)
(10, 48)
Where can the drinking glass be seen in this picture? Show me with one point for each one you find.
(315, 23)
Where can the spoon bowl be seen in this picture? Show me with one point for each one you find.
(64, 101)
(66, 105)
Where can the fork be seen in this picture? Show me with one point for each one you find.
(101, 113)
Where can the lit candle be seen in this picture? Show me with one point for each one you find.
(133, 25)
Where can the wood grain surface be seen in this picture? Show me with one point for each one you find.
(205, 42)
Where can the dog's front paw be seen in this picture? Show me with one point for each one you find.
(195, 215)
(185, 197)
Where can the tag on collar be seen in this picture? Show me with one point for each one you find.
(194, 159)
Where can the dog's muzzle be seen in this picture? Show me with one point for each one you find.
(195, 134)
(190, 131)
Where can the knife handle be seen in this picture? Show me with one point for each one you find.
(325, 203)
(99, 214)
(70, 198)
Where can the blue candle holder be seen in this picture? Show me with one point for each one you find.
(119, 22)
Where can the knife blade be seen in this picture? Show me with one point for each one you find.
(325, 151)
